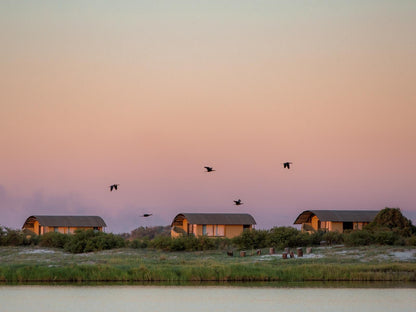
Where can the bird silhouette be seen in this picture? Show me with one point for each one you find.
(146, 215)
(287, 164)
(113, 187)
(238, 202)
(209, 169)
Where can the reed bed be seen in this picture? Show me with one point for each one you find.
(29, 265)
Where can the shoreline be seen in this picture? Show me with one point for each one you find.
(330, 264)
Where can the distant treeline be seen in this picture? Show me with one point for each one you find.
(389, 227)
(148, 232)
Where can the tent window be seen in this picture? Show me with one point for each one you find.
(219, 230)
(347, 226)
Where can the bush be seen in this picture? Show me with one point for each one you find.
(386, 238)
(9, 237)
(316, 237)
(161, 242)
(139, 243)
(188, 243)
(2, 235)
(223, 243)
(333, 238)
(90, 240)
(149, 232)
(358, 238)
(53, 239)
(393, 220)
(411, 241)
(251, 239)
(281, 237)
(206, 243)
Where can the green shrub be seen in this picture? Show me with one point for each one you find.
(411, 241)
(251, 239)
(183, 243)
(150, 232)
(188, 243)
(11, 237)
(358, 238)
(316, 237)
(90, 240)
(281, 237)
(31, 239)
(139, 243)
(393, 220)
(223, 243)
(2, 236)
(333, 238)
(161, 242)
(386, 238)
(53, 239)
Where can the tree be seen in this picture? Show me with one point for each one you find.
(393, 220)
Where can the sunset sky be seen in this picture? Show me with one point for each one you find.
(147, 93)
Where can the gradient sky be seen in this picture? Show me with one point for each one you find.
(147, 93)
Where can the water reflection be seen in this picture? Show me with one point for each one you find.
(203, 298)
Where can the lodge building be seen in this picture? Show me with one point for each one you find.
(335, 220)
(211, 224)
(63, 224)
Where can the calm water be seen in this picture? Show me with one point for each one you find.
(201, 299)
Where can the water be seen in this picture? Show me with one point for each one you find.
(201, 299)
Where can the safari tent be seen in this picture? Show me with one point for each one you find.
(335, 220)
(63, 224)
(211, 224)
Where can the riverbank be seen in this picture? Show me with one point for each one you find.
(375, 263)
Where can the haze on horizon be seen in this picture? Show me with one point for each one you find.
(147, 93)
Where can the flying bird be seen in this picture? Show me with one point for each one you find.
(238, 202)
(146, 215)
(287, 164)
(114, 186)
(209, 169)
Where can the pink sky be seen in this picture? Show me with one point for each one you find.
(145, 94)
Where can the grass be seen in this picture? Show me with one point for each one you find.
(34, 264)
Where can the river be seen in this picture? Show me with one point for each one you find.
(203, 298)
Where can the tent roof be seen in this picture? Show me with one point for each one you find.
(73, 221)
(216, 218)
(337, 215)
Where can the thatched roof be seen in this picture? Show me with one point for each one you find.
(337, 215)
(215, 218)
(67, 221)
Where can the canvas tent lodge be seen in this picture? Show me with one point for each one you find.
(335, 220)
(211, 224)
(63, 224)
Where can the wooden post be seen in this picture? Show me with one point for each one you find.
(242, 253)
(300, 252)
(284, 255)
(271, 251)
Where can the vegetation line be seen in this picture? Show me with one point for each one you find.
(217, 272)
(87, 256)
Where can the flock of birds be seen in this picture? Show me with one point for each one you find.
(238, 202)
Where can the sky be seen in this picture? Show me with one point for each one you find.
(146, 93)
